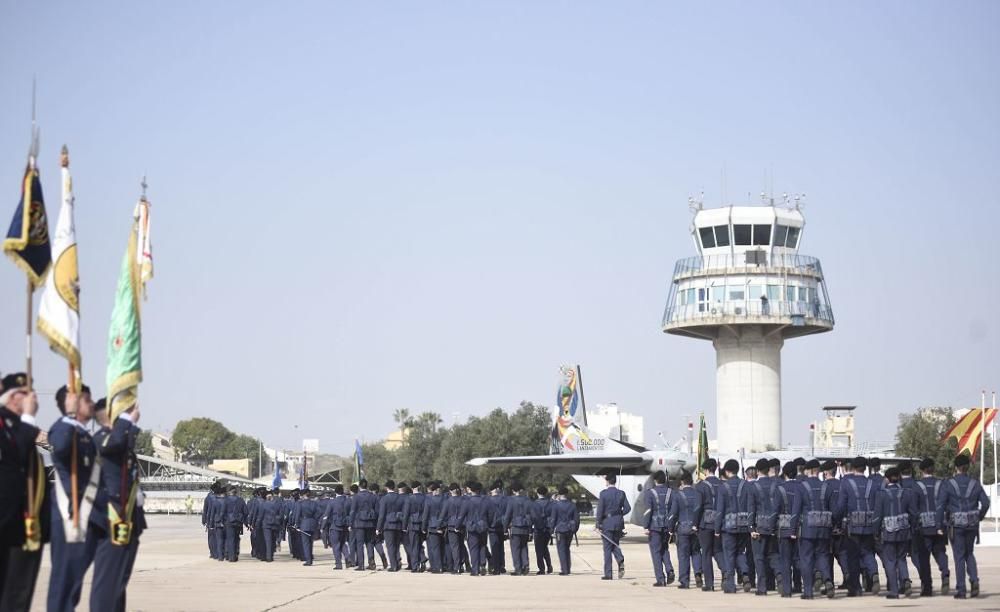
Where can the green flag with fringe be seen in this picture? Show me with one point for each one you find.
(125, 336)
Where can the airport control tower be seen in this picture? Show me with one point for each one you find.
(748, 290)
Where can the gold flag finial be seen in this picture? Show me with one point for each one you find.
(64, 157)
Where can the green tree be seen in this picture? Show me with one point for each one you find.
(200, 440)
(144, 442)
(919, 435)
(244, 447)
(415, 460)
(380, 464)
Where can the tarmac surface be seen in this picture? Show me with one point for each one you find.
(173, 572)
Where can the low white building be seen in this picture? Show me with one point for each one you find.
(612, 421)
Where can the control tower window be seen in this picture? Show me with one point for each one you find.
(793, 237)
(780, 234)
(741, 234)
(722, 235)
(707, 238)
(762, 235)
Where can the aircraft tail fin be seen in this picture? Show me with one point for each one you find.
(570, 433)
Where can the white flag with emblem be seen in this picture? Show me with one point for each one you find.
(59, 312)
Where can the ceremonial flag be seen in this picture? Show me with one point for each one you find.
(702, 447)
(59, 313)
(969, 429)
(359, 462)
(27, 241)
(144, 251)
(276, 483)
(303, 478)
(125, 336)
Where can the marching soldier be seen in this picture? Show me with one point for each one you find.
(763, 533)
(451, 512)
(964, 502)
(814, 540)
(908, 483)
(734, 508)
(895, 514)
(565, 522)
(689, 510)
(270, 523)
(517, 520)
(339, 521)
(542, 529)
(390, 523)
(476, 517)
(497, 533)
(612, 506)
(838, 550)
(413, 511)
(857, 505)
(363, 520)
(235, 516)
(658, 521)
(206, 511)
(787, 501)
(306, 522)
(930, 542)
(708, 488)
(432, 527)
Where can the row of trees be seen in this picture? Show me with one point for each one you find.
(919, 435)
(431, 451)
(200, 441)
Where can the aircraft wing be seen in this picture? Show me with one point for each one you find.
(569, 462)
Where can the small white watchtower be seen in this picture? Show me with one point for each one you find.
(747, 290)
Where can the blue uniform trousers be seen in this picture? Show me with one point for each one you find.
(659, 550)
(962, 543)
(498, 564)
(476, 541)
(861, 559)
(686, 557)
(392, 537)
(338, 541)
(70, 562)
(612, 547)
(734, 555)
(306, 545)
(927, 546)
(893, 560)
(112, 569)
(210, 533)
(363, 540)
(219, 540)
(786, 550)
(232, 542)
(519, 551)
(455, 547)
(414, 549)
(435, 551)
(766, 557)
(270, 540)
(563, 541)
(814, 555)
(542, 554)
(707, 541)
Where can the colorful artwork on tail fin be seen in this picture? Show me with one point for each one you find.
(566, 434)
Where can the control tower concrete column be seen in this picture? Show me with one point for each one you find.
(748, 389)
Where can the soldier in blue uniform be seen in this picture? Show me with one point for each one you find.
(307, 515)
(390, 523)
(115, 555)
(658, 521)
(734, 505)
(250, 523)
(763, 532)
(542, 530)
(234, 516)
(497, 535)
(787, 502)
(339, 522)
(364, 516)
(451, 512)
(270, 523)
(517, 520)
(432, 528)
(814, 537)
(930, 542)
(857, 504)
(910, 484)
(476, 515)
(206, 509)
(963, 503)
(413, 510)
(689, 510)
(895, 516)
(838, 550)
(565, 520)
(710, 550)
(74, 536)
(612, 507)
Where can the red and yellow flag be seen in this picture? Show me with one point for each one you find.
(969, 429)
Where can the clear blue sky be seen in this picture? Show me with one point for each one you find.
(433, 205)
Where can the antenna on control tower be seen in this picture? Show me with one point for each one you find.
(696, 205)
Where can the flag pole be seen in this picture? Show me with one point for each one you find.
(982, 436)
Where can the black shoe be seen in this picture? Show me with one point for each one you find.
(746, 584)
(371, 567)
(605, 577)
(670, 577)
(960, 596)
(699, 581)
(843, 587)
(891, 596)
(683, 586)
(783, 594)
(945, 586)
(308, 563)
(659, 584)
(876, 585)
(760, 593)
(907, 588)
(806, 596)
(927, 592)
(729, 590)
(779, 583)
(974, 591)
(540, 573)
(564, 573)
(830, 592)
(621, 571)
(359, 569)
(817, 584)
(708, 589)
(338, 567)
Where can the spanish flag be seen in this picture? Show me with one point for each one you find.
(59, 314)
(27, 241)
(969, 429)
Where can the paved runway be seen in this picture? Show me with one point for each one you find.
(173, 572)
